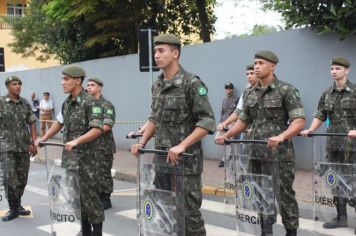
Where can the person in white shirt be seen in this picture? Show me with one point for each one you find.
(46, 109)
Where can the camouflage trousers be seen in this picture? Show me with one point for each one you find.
(92, 210)
(17, 168)
(106, 180)
(283, 174)
(194, 223)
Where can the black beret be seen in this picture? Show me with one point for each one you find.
(11, 79)
(250, 67)
(341, 61)
(73, 71)
(166, 39)
(267, 55)
(97, 80)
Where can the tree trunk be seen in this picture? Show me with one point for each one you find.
(204, 20)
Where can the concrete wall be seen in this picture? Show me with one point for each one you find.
(304, 62)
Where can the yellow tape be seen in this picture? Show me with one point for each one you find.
(121, 122)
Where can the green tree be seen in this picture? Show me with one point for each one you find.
(260, 30)
(337, 16)
(87, 29)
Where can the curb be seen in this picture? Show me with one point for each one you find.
(207, 190)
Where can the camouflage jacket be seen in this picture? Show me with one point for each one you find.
(106, 143)
(228, 106)
(79, 116)
(269, 111)
(340, 107)
(178, 106)
(15, 118)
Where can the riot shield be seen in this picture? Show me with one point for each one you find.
(230, 163)
(161, 195)
(257, 182)
(138, 201)
(63, 189)
(3, 157)
(334, 180)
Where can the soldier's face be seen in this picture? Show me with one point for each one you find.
(165, 55)
(251, 78)
(93, 88)
(69, 83)
(338, 72)
(14, 88)
(263, 68)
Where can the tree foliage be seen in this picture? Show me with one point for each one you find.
(260, 30)
(338, 16)
(88, 29)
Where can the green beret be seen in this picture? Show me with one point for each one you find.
(250, 67)
(97, 80)
(341, 61)
(166, 39)
(11, 79)
(267, 55)
(73, 71)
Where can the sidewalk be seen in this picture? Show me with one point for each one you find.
(125, 168)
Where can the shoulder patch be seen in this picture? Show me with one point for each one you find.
(96, 110)
(202, 91)
(110, 112)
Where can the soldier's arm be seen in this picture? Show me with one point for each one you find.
(109, 117)
(55, 128)
(150, 130)
(316, 123)
(92, 134)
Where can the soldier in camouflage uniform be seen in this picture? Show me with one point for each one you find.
(105, 143)
(81, 118)
(337, 104)
(17, 127)
(275, 112)
(252, 82)
(180, 117)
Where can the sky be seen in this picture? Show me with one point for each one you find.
(235, 17)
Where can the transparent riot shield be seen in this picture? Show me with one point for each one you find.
(161, 195)
(138, 201)
(334, 181)
(257, 181)
(3, 158)
(63, 189)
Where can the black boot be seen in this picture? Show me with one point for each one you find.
(10, 215)
(86, 228)
(341, 219)
(97, 229)
(266, 226)
(105, 201)
(291, 232)
(22, 211)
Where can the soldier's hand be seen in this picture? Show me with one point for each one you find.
(274, 141)
(220, 127)
(351, 134)
(220, 139)
(70, 145)
(129, 135)
(32, 150)
(134, 149)
(173, 154)
(305, 133)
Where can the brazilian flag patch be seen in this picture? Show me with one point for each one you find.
(202, 91)
(109, 112)
(96, 110)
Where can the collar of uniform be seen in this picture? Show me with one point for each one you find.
(78, 98)
(272, 85)
(176, 81)
(346, 88)
(8, 99)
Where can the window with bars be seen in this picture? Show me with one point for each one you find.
(16, 9)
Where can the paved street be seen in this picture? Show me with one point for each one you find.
(121, 219)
